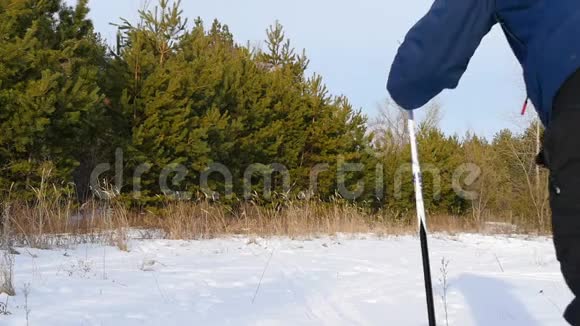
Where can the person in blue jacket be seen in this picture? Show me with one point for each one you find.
(545, 38)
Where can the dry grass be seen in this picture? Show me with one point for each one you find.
(58, 221)
(30, 223)
(109, 222)
(183, 221)
(7, 273)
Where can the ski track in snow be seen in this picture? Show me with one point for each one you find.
(343, 280)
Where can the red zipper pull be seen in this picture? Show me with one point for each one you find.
(525, 106)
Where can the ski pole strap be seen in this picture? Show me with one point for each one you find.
(525, 106)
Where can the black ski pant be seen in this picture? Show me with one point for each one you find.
(562, 156)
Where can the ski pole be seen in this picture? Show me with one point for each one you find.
(421, 219)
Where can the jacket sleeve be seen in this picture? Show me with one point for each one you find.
(437, 50)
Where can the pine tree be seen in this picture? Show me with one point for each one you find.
(50, 98)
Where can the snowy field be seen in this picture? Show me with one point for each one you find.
(345, 280)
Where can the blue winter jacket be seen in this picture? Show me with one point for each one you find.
(544, 35)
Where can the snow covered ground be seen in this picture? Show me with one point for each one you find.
(344, 280)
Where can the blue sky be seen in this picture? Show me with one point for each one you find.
(352, 44)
